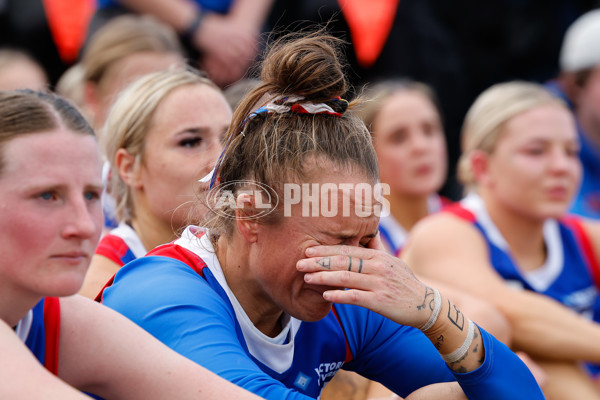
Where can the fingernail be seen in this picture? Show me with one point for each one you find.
(301, 265)
(307, 277)
(310, 251)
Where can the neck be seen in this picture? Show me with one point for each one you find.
(14, 306)
(152, 231)
(233, 255)
(407, 210)
(523, 234)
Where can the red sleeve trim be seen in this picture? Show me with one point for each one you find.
(587, 247)
(113, 248)
(52, 332)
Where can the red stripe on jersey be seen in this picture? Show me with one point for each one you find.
(587, 247)
(182, 254)
(461, 212)
(52, 332)
(349, 355)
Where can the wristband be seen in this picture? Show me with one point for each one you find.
(462, 350)
(437, 306)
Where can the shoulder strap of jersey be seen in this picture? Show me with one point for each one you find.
(349, 355)
(182, 254)
(52, 333)
(586, 244)
(461, 212)
(170, 250)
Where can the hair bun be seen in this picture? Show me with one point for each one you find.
(307, 65)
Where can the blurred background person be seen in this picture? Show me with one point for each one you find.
(221, 37)
(52, 32)
(163, 134)
(408, 136)
(125, 49)
(19, 71)
(508, 242)
(579, 85)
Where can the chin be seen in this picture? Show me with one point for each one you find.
(313, 313)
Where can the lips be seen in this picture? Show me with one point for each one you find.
(71, 256)
(423, 169)
(558, 193)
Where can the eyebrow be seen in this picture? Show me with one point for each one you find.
(198, 129)
(345, 236)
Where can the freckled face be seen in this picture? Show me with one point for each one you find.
(535, 169)
(410, 144)
(181, 147)
(276, 280)
(50, 212)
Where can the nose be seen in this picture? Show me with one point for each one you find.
(419, 142)
(562, 162)
(82, 221)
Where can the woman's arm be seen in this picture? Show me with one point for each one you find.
(102, 352)
(373, 279)
(445, 248)
(228, 43)
(22, 375)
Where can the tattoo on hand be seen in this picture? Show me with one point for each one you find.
(456, 316)
(429, 298)
(325, 262)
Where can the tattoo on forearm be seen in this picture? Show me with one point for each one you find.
(456, 316)
(428, 299)
(325, 262)
(438, 342)
(457, 367)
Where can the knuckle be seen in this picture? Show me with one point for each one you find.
(345, 250)
(340, 261)
(345, 277)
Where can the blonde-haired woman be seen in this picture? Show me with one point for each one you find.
(509, 240)
(165, 134)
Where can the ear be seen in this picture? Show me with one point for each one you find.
(480, 161)
(246, 223)
(129, 169)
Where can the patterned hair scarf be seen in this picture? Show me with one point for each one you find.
(283, 105)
